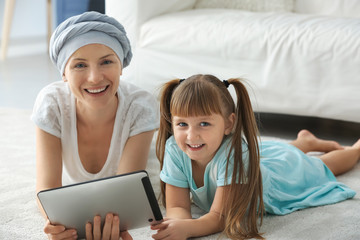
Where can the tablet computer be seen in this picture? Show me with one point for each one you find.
(130, 196)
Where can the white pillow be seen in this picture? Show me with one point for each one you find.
(337, 8)
(249, 5)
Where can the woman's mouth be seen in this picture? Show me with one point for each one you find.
(96, 90)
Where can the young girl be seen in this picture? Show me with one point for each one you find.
(208, 147)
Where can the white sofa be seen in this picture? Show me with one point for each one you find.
(303, 59)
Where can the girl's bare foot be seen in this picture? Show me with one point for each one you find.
(308, 142)
(355, 145)
(341, 161)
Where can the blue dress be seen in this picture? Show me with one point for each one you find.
(292, 180)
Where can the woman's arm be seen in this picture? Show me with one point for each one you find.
(48, 162)
(135, 153)
(48, 175)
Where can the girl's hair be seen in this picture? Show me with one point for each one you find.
(201, 95)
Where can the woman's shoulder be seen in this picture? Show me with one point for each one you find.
(134, 92)
(139, 104)
(56, 90)
(51, 106)
(55, 96)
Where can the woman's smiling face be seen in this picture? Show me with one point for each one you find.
(93, 74)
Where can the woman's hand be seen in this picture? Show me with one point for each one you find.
(110, 230)
(174, 229)
(56, 232)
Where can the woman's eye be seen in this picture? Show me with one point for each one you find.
(204, 124)
(107, 62)
(80, 65)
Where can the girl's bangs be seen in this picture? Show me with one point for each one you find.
(195, 100)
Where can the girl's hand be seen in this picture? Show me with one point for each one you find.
(56, 232)
(110, 230)
(174, 229)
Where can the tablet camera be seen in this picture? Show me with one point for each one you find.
(150, 219)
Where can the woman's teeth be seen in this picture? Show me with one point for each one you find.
(96, 90)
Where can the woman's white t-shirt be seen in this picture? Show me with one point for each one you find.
(55, 112)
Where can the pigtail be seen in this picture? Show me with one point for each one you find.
(244, 205)
(165, 127)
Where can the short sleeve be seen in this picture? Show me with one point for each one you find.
(140, 108)
(46, 112)
(145, 115)
(174, 171)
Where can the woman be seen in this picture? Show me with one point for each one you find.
(91, 124)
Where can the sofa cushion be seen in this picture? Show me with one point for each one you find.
(233, 33)
(336, 8)
(296, 64)
(250, 5)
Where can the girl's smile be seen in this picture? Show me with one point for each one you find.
(196, 147)
(200, 137)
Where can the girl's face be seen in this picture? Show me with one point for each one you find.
(200, 137)
(93, 73)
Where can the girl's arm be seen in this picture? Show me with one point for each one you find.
(179, 223)
(48, 162)
(213, 221)
(135, 153)
(178, 203)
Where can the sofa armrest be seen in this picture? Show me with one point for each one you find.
(133, 13)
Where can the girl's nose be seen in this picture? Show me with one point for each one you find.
(192, 134)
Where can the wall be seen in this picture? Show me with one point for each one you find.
(30, 16)
(29, 19)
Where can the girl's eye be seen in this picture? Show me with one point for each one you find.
(182, 124)
(204, 124)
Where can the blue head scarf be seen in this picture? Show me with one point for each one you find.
(84, 29)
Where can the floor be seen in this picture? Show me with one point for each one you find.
(25, 72)
(28, 69)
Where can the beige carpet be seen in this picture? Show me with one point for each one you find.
(20, 219)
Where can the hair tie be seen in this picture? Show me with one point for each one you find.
(181, 80)
(226, 83)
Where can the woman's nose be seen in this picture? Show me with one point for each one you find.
(95, 75)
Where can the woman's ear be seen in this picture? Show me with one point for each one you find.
(64, 78)
(229, 123)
